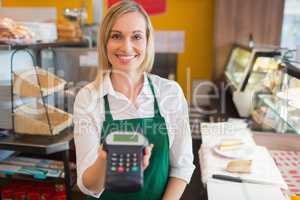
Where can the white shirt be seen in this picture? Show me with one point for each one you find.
(89, 116)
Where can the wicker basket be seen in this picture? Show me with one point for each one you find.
(26, 82)
(32, 119)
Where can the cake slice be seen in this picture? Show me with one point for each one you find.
(239, 166)
(230, 144)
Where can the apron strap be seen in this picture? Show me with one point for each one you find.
(108, 115)
(156, 107)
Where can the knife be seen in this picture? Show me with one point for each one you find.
(242, 180)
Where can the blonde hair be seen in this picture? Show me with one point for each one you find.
(123, 7)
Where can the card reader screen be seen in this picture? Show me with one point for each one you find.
(125, 138)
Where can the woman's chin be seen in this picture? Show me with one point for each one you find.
(125, 67)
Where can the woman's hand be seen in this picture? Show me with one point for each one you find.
(147, 156)
(102, 155)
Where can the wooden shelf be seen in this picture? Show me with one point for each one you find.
(83, 43)
(26, 82)
(32, 119)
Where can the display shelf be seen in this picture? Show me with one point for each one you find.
(83, 43)
(26, 82)
(32, 119)
(286, 113)
(38, 131)
(37, 83)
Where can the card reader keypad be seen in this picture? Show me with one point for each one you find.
(122, 163)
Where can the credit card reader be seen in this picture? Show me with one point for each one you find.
(125, 151)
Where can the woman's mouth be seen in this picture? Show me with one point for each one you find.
(125, 59)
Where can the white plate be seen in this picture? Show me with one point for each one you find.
(244, 152)
(295, 104)
(292, 94)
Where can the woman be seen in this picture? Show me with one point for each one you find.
(125, 93)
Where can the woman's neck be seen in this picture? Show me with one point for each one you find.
(129, 83)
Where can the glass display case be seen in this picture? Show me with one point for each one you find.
(247, 67)
(237, 64)
(280, 109)
(246, 72)
(262, 66)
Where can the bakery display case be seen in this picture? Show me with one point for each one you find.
(237, 64)
(262, 66)
(264, 61)
(247, 67)
(37, 117)
(279, 109)
(246, 71)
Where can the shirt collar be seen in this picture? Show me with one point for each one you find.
(107, 87)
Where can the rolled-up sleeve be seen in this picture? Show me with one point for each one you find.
(86, 137)
(181, 150)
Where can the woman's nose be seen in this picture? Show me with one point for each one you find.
(126, 45)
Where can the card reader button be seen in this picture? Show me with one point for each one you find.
(120, 169)
(134, 169)
(113, 169)
(113, 159)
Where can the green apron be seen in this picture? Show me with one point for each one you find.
(157, 173)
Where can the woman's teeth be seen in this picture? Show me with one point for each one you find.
(125, 57)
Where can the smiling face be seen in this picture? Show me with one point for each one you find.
(126, 46)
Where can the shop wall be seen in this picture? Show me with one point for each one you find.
(59, 4)
(195, 17)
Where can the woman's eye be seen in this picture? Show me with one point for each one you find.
(137, 37)
(115, 36)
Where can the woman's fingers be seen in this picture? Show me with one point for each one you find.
(147, 156)
(146, 159)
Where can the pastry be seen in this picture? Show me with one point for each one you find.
(230, 144)
(239, 166)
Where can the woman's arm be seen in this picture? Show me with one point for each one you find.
(175, 189)
(93, 177)
(180, 152)
(87, 126)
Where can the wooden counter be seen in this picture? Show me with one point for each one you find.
(277, 141)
